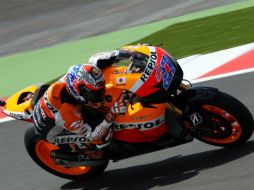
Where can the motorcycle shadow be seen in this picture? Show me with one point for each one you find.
(165, 172)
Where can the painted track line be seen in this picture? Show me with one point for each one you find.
(222, 75)
(6, 119)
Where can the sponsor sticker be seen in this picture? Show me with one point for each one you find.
(68, 139)
(121, 80)
(49, 105)
(149, 67)
(165, 72)
(196, 119)
(76, 124)
(142, 126)
(148, 70)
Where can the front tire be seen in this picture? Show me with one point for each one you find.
(39, 150)
(226, 121)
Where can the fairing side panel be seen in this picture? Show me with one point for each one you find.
(146, 125)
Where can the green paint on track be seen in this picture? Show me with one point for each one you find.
(43, 65)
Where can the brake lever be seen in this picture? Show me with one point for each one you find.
(126, 96)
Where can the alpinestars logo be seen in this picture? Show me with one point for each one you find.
(76, 124)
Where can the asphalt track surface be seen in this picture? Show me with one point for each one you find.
(192, 166)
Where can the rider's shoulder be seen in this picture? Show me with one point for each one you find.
(56, 89)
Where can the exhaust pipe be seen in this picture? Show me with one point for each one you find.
(71, 159)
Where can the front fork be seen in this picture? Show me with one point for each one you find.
(182, 87)
(181, 128)
(186, 106)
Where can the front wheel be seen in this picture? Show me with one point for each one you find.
(39, 150)
(223, 121)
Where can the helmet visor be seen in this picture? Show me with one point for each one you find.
(92, 96)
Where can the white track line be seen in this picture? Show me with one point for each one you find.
(6, 119)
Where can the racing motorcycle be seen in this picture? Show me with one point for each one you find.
(164, 112)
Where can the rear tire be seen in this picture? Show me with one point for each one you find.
(39, 150)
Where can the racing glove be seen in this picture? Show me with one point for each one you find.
(120, 107)
(103, 59)
(103, 132)
(106, 59)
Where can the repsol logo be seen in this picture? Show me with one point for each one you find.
(149, 67)
(70, 139)
(48, 104)
(16, 115)
(141, 126)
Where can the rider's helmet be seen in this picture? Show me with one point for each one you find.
(159, 73)
(85, 83)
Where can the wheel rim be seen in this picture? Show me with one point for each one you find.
(43, 149)
(232, 126)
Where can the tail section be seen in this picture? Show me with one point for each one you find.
(19, 105)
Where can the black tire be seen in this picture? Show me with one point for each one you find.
(238, 112)
(31, 139)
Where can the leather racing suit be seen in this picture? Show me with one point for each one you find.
(57, 110)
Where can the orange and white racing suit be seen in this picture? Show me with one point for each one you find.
(57, 110)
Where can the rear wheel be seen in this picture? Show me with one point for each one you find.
(225, 121)
(39, 150)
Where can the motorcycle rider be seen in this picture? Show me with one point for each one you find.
(62, 105)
